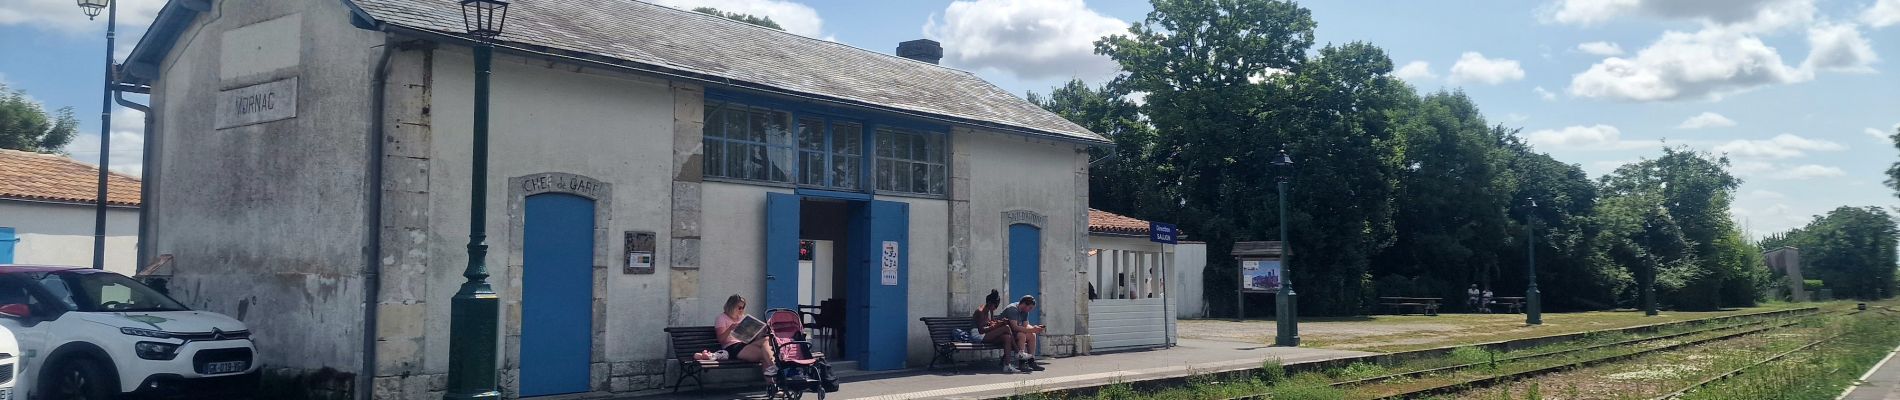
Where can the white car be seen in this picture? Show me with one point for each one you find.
(90, 334)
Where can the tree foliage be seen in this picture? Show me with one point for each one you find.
(26, 126)
(1392, 193)
(741, 17)
(1850, 249)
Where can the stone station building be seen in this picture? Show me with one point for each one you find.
(310, 169)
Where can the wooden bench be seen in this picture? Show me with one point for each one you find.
(1514, 305)
(1423, 305)
(690, 340)
(943, 338)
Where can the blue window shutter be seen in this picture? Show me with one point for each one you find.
(781, 251)
(6, 245)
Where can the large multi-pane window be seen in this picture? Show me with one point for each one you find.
(747, 143)
(758, 144)
(910, 161)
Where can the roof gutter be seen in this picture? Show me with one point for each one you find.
(593, 60)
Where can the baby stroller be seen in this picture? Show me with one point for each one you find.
(800, 370)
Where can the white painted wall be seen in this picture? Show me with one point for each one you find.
(1190, 261)
(929, 270)
(1010, 172)
(61, 234)
(612, 128)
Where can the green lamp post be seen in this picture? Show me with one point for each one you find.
(1286, 312)
(474, 311)
(92, 8)
(1534, 313)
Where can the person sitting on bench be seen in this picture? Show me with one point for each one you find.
(995, 331)
(1018, 316)
(754, 350)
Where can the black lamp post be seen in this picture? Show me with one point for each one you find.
(474, 309)
(1534, 312)
(92, 8)
(1286, 311)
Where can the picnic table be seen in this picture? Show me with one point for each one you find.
(1514, 305)
(1422, 305)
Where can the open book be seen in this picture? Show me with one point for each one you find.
(749, 329)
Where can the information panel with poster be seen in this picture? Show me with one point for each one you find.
(1260, 275)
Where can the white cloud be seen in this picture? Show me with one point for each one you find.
(1598, 137)
(1884, 137)
(1780, 147)
(1839, 47)
(1474, 67)
(1601, 48)
(1028, 38)
(794, 17)
(1745, 15)
(1706, 120)
(1809, 171)
(1415, 71)
(1745, 168)
(1544, 94)
(1707, 64)
(128, 143)
(64, 16)
(1882, 14)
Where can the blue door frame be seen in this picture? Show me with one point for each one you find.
(6, 245)
(557, 294)
(876, 331)
(1025, 265)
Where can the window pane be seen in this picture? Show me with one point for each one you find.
(934, 150)
(776, 130)
(715, 161)
(735, 122)
(937, 179)
(844, 172)
(920, 177)
(780, 164)
(919, 148)
(901, 147)
(847, 138)
(902, 180)
(811, 168)
(712, 128)
(811, 134)
(886, 143)
(736, 156)
(886, 180)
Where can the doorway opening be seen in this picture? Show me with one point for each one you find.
(866, 244)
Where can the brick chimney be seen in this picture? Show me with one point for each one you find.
(925, 50)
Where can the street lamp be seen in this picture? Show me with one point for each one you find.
(474, 309)
(1286, 318)
(92, 8)
(1534, 313)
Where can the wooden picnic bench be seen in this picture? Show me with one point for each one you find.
(1514, 305)
(689, 340)
(943, 338)
(1422, 305)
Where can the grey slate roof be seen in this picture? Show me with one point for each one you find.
(712, 46)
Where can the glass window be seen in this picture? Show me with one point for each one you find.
(748, 143)
(847, 147)
(910, 161)
(107, 292)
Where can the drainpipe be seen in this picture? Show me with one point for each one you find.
(373, 223)
(145, 183)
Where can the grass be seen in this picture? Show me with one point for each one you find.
(1485, 328)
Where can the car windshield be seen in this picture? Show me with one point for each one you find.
(106, 292)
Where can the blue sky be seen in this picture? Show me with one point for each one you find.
(1788, 89)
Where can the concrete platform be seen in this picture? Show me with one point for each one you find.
(984, 379)
(1880, 383)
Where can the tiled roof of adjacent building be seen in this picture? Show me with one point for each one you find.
(750, 56)
(50, 177)
(1108, 222)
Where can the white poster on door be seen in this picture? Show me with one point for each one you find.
(890, 263)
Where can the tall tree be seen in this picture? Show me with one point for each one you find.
(741, 17)
(1689, 193)
(25, 126)
(1124, 179)
(1453, 191)
(1850, 249)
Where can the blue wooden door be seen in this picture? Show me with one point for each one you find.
(1025, 266)
(888, 300)
(781, 251)
(6, 245)
(557, 304)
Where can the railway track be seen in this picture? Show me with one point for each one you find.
(1730, 373)
(1745, 328)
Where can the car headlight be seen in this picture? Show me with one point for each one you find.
(146, 333)
(156, 350)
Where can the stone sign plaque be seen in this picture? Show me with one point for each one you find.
(256, 104)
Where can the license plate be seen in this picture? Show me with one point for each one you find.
(225, 367)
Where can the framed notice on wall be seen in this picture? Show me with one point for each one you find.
(889, 270)
(1260, 275)
(639, 247)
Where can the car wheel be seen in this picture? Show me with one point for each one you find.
(77, 379)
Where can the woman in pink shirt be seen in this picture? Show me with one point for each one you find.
(759, 350)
